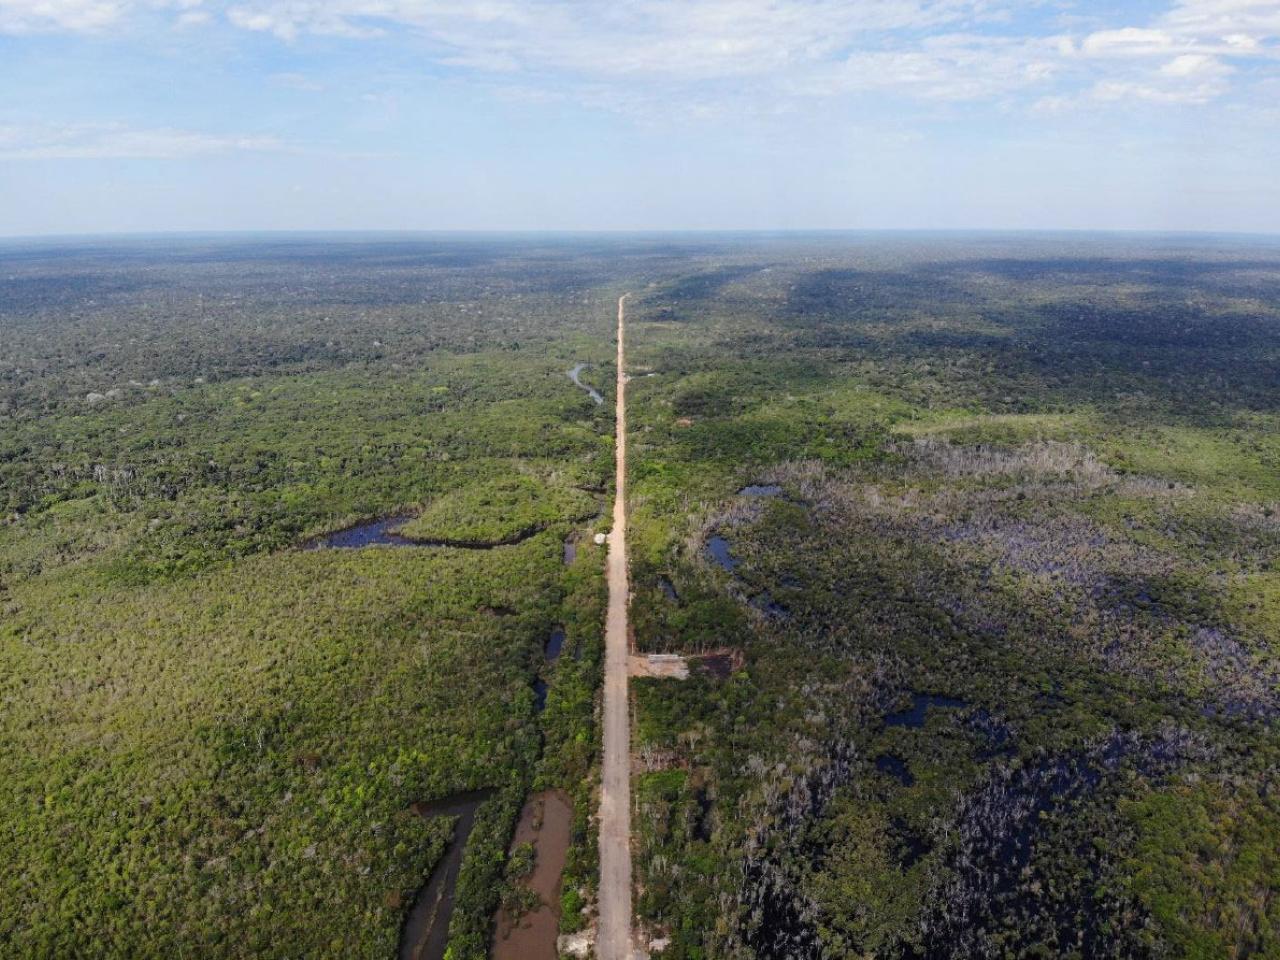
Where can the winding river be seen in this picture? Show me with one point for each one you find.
(426, 929)
(575, 375)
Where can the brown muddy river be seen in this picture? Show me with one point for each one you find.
(545, 822)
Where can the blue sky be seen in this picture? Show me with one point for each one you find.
(139, 115)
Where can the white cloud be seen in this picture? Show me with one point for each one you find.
(773, 48)
(689, 39)
(114, 141)
(289, 20)
(1217, 19)
(1241, 43)
(1240, 28)
(1200, 92)
(1189, 78)
(1194, 44)
(1127, 42)
(30, 16)
(924, 49)
(1195, 65)
(85, 16)
(728, 51)
(948, 67)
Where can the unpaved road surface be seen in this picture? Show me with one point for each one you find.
(613, 938)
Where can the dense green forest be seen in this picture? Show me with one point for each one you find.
(214, 732)
(992, 528)
(980, 535)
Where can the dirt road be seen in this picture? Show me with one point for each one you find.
(613, 938)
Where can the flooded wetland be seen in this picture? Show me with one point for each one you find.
(529, 931)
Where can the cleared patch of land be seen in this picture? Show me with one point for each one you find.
(670, 665)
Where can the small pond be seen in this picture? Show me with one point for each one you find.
(718, 547)
(373, 533)
(554, 644)
(914, 716)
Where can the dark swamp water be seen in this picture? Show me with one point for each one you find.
(373, 533)
(425, 935)
(914, 716)
(718, 548)
(555, 644)
(384, 533)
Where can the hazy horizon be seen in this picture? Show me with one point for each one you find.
(463, 233)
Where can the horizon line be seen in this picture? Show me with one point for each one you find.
(479, 233)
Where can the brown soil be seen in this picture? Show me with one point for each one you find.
(659, 665)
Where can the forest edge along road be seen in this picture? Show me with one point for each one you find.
(613, 939)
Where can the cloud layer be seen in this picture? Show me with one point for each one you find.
(950, 50)
(642, 113)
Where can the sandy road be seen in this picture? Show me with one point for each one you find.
(613, 938)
